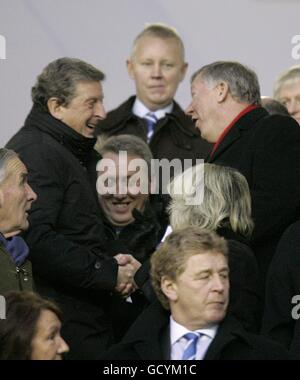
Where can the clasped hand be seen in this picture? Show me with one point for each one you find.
(128, 266)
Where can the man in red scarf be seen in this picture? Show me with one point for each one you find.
(226, 108)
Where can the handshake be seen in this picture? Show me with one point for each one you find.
(128, 266)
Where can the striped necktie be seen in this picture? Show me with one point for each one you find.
(190, 350)
(151, 120)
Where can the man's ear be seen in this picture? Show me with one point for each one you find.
(183, 70)
(55, 108)
(130, 69)
(169, 288)
(222, 91)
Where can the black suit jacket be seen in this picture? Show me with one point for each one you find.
(175, 135)
(149, 339)
(266, 150)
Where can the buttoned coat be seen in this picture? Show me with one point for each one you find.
(12, 277)
(66, 234)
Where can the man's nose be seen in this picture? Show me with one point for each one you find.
(99, 110)
(218, 283)
(156, 70)
(31, 195)
(189, 110)
(120, 195)
(63, 346)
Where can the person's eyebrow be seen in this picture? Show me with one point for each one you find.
(24, 177)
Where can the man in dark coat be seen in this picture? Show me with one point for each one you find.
(16, 198)
(281, 320)
(157, 67)
(264, 148)
(134, 219)
(191, 278)
(66, 236)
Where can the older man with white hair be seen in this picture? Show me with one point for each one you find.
(16, 197)
(226, 108)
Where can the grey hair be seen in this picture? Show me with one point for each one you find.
(60, 78)
(127, 143)
(6, 155)
(226, 199)
(242, 81)
(274, 107)
(162, 31)
(288, 76)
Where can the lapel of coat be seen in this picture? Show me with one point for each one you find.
(156, 347)
(229, 330)
(150, 335)
(233, 135)
(244, 123)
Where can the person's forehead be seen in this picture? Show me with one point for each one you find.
(121, 156)
(123, 161)
(48, 319)
(198, 83)
(292, 85)
(206, 260)
(150, 42)
(16, 166)
(89, 89)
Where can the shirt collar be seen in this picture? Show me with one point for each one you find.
(3, 238)
(177, 331)
(140, 110)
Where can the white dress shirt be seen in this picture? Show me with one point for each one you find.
(141, 111)
(169, 230)
(178, 343)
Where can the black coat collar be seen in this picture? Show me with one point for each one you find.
(81, 147)
(228, 234)
(150, 335)
(243, 124)
(122, 115)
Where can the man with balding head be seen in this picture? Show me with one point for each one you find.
(157, 66)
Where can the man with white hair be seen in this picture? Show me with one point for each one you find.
(226, 108)
(287, 90)
(16, 197)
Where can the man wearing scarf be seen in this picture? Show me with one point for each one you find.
(66, 237)
(16, 197)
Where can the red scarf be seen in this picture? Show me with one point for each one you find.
(228, 128)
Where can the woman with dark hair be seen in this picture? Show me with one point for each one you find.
(217, 198)
(31, 330)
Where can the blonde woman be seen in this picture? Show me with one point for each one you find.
(217, 198)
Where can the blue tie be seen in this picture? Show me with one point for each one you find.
(191, 347)
(151, 120)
